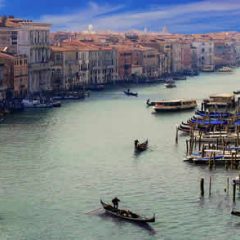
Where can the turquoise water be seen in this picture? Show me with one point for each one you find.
(56, 164)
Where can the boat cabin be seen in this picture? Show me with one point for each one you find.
(175, 105)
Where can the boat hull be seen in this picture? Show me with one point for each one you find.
(173, 109)
(115, 213)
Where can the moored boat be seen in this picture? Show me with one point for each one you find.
(225, 69)
(174, 105)
(177, 78)
(125, 214)
(30, 103)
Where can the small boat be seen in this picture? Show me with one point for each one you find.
(96, 87)
(56, 103)
(170, 85)
(213, 114)
(177, 78)
(69, 96)
(236, 213)
(174, 105)
(129, 93)
(225, 69)
(30, 103)
(140, 147)
(125, 214)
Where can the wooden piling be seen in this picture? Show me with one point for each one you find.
(176, 138)
(210, 186)
(187, 152)
(234, 191)
(199, 141)
(202, 186)
(228, 185)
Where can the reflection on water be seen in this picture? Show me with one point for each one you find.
(118, 221)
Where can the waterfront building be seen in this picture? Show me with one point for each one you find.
(224, 53)
(164, 49)
(80, 64)
(205, 54)
(14, 75)
(102, 65)
(21, 76)
(65, 68)
(125, 62)
(24, 37)
(6, 74)
(97, 62)
(150, 62)
(188, 57)
(176, 57)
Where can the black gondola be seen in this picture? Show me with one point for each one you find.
(129, 93)
(140, 146)
(236, 213)
(125, 214)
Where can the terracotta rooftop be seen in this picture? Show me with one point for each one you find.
(6, 56)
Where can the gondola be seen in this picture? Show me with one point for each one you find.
(170, 85)
(128, 93)
(140, 147)
(236, 92)
(126, 214)
(236, 213)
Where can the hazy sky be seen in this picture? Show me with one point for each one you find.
(182, 16)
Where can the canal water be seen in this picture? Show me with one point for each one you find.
(55, 166)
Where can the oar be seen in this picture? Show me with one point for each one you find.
(93, 211)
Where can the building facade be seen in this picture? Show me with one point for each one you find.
(24, 37)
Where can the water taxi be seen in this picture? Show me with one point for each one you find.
(174, 105)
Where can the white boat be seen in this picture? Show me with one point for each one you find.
(225, 69)
(174, 105)
(32, 103)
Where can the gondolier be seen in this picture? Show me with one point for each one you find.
(115, 202)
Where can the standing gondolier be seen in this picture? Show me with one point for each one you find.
(115, 202)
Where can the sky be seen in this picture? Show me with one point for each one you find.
(180, 16)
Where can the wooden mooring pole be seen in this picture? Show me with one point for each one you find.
(210, 186)
(176, 138)
(228, 185)
(234, 191)
(187, 147)
(202, 187)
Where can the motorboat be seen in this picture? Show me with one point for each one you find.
(174, 105)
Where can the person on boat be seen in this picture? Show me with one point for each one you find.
(115, 202)
(128, 90)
